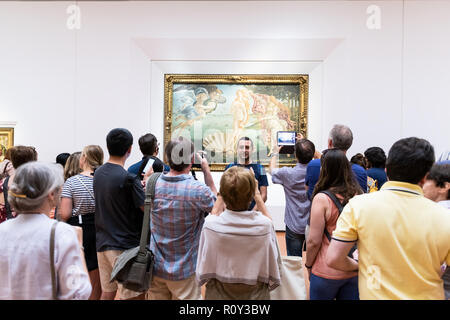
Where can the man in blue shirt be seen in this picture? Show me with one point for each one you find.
(377, 163)
(341, 137)
(149, 146)
(245, 149)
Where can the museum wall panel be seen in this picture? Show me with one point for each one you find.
(66, 88)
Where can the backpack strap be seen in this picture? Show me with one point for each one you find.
(142, 167)
(148, 207)
(52, 261)
(340, 207)
(337, 203)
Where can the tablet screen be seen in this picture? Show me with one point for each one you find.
(286, 138)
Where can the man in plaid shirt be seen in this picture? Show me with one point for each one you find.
(180, 206)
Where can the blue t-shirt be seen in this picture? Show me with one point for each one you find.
(377, 174)
(361, 176)
(313, 173)
(158, 166)
(260, 175)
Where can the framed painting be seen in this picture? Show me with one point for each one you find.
(6, 140)
(215, 111)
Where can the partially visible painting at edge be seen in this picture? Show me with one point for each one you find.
(214, 111)
(6, 140)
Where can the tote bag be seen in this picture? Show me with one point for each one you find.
(292, 286)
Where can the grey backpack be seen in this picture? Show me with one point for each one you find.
(133, 268)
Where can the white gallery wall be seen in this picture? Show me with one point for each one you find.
(66, 88)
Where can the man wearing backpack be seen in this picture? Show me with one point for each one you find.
(149, 146)
(119, 205)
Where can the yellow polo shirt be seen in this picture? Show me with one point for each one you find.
(403, 238)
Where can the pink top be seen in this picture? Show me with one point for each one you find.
(320, 267)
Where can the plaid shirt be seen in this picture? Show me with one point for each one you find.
(176, 224)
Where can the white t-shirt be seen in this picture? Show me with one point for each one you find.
(25, 260)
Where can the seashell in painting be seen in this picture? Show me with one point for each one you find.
(220, 142)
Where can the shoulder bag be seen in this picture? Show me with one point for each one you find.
(292, 286)
(134, 267)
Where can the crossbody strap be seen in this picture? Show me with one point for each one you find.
(52, 261)
(148, 207)
(6, 166)
(81, 181)
(5, 197)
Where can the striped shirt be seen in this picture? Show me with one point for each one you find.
(176, 224)
(82, 200)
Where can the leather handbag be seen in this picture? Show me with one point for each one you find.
(134, 267)
(292, 286)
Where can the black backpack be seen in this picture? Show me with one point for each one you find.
(340, 207)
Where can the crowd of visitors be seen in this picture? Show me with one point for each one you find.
(374, 227)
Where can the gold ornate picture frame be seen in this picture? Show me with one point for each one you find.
(6, 140)
(214, 111)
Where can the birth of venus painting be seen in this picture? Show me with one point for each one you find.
(215, 111)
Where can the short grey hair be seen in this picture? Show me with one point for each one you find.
(33, 182)
(341, 137)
